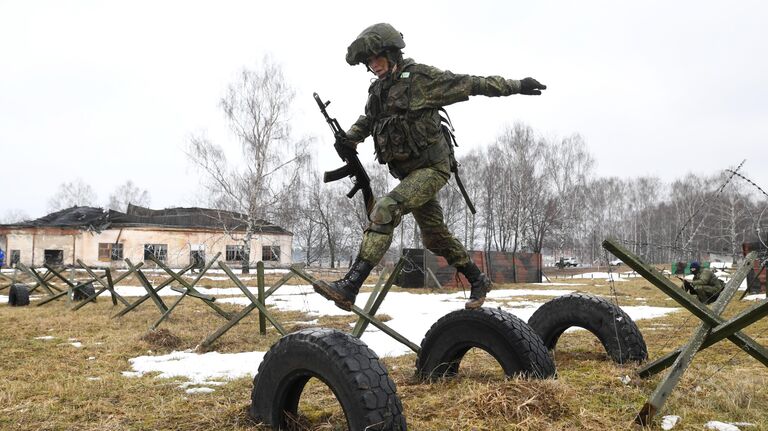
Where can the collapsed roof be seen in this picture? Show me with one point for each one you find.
(90, 218)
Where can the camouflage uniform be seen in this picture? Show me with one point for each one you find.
(706, 285)
(403, 117)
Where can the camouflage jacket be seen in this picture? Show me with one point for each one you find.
(402, 113)
(706, 277)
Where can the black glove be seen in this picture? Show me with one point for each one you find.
(531, 87)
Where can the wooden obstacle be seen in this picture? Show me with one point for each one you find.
(713, 327)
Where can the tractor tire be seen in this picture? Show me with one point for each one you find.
(619, 335)
(350, 369)
(516, 346)
(83, 292)
(18, 295)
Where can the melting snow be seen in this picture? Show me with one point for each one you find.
(200, 390)
(669, 422)
(45, 337)
(720, 426)
(198, 367)
(412, 315)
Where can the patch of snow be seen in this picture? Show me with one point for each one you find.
(558, 284)
(605, 275)
(720, 426)
(93, 379)
(76, 344)
(669, 422)
(91, 358)
(200, 390)
(755, 297)
(199, 367)
(625, 380)
(3, 299)
(45, 337)
(131, 374)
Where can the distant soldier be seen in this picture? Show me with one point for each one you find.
(403, 117)
(705, 285)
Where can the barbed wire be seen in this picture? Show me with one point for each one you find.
(701, 205)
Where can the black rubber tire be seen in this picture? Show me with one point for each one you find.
(18, 295)
(508, 339)
(619, 335)
(83, 292)
(350, 369)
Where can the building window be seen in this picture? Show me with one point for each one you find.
(15, 258)
(53, 257)
(270, 253)
(160, 251)
(235, 253)
(109, 251)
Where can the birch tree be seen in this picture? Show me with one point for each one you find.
(256, 107)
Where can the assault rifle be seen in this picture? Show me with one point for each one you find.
(352, 167)
(687, 286)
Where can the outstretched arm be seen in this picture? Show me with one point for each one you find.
(435, 88)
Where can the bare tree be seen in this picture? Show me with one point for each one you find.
(75, 193)
(12, 216)
(128, 193)
(256, 107)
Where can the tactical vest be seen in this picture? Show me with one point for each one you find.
(404, 139)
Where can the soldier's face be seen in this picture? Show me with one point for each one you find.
(378, 65)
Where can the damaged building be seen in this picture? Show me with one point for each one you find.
(176, 236)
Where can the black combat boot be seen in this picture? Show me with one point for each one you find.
(481, 284)
(344, 291)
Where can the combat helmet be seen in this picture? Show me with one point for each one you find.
(374, 40)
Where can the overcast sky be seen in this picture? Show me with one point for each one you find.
(109, 91)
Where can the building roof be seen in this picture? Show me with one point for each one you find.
(90, 218)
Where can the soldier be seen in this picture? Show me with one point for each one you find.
(705, 285)
(403, 117)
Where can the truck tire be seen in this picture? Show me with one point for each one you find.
(516, 347)
(350, 369)
(18, 295)
(83, 292)
(619, 335)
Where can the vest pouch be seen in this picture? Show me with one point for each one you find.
(392, 137)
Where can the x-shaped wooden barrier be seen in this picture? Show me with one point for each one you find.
(45, 282)
(712, 329)
(188, 289)
(151, 291)
(366, 316)
(107, 284)
(11, 280)
(257, 302)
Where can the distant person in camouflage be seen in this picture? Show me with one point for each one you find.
(403, 117)
(705, 284)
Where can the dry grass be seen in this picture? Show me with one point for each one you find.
(52, 385)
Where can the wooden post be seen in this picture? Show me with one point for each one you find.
(373, 321)
(261, 297)
(362, 324)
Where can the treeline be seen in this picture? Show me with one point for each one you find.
(542, 195)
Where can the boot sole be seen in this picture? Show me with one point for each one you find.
(326, 292)
(474, 305)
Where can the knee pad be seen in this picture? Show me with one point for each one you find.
(386, 215)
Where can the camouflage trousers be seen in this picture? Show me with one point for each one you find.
(706, 291)
(417, 195)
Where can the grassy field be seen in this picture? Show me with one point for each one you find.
(53, 385)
